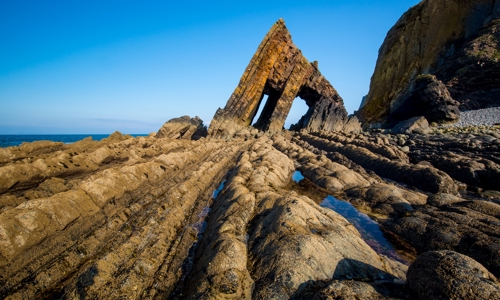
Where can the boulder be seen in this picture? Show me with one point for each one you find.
(350, 289)
(451, 275)
(425, 96)
(183, 128)
(387, 199)
(415, 125)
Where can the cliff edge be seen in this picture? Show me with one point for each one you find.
(457, 41)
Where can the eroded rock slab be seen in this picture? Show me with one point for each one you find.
(257, 228)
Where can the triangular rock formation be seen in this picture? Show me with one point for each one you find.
(278, 69)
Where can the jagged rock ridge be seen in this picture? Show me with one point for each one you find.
(457, 41)
(279, 70)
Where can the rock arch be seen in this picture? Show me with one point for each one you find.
(278, 69)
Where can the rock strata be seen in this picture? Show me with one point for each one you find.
(138, 217)
(107, 228)
(457, 41)
(455, 218)
(278, 69)
(122, 218)
(256, 229)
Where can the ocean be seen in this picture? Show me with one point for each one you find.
(16, 140)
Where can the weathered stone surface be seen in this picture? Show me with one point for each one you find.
(418, 125)
(425, 96)
(278, 69)
(423, 177)
(468, 227)
(455, 40)
(470, 158)
(450, 275)
(347, 289)
(444, 220)
(256, 228)
(443, 199)
(99, 215)
(387, 199)
(183, 128)
(122, 218)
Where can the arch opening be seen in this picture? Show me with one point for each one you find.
(264, 118)
(297, 112)
(260, 108)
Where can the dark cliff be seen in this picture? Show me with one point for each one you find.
(457, 41)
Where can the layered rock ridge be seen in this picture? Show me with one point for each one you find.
(116, 218)
(121, 217)
(457, 42)
(278, 69)
(103, 219)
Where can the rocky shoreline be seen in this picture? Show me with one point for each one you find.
(110, 218)
(192, 212)
(480, 117)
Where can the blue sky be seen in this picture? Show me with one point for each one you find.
(94, 67)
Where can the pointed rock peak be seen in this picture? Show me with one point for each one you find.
(279, 70)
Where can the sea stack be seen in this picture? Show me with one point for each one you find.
(278, 69)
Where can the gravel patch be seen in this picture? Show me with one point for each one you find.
(485, 116)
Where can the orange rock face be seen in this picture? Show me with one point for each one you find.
(278, 69)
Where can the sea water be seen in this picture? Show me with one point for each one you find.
(16, 140)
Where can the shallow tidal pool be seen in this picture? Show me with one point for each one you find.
(369, 229)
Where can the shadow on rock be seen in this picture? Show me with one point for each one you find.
(349, 280)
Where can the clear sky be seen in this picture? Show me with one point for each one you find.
(100, 66)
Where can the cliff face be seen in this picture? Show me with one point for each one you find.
(278, 69)
(457, 41)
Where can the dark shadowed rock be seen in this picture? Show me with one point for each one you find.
(183, 128)
(425, 96)
(349, 289)
(423, 177)
(450, 275)
(455, 40)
